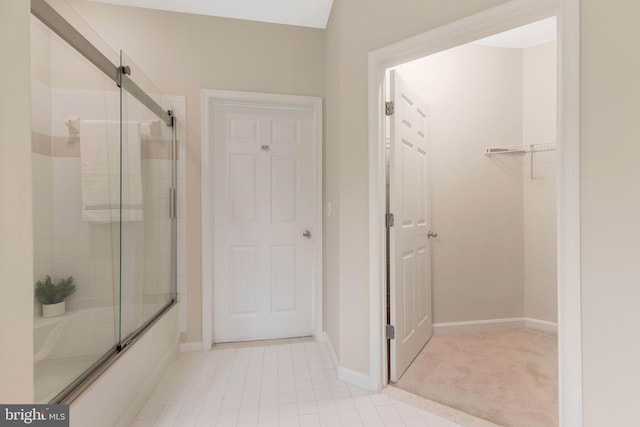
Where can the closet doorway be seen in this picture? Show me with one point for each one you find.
(471, 226)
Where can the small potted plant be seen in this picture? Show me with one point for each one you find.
(52, 296)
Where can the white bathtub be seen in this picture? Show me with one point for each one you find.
(85, 332)
(115, 398)
(66, 346)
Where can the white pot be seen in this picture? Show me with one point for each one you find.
(53, 310)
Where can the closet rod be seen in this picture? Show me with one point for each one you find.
(521, 149)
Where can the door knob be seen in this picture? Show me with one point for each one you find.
(431, 234)
(306, 234)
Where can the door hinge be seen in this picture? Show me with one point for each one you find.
(389, 108)
(389, 220)
(391, 332)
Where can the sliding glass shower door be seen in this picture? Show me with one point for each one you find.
(104, 217)
(75, 240)
(147, 206)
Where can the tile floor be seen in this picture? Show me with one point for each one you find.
(292, 384)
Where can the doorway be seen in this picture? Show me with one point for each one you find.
(493, 243)
(501, 18)
(262, 225)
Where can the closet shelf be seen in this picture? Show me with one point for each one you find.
(520, 149)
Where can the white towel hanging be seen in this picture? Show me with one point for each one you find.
(101, 179)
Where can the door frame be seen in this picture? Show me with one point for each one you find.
(506, 16)
(311, 103)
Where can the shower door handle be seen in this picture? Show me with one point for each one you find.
(172, 202)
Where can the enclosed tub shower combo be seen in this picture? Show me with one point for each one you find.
(104, 202)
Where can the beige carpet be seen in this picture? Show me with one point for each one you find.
(508, 376)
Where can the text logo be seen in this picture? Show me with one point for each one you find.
(34, 415)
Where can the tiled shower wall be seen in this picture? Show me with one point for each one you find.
(66, 245)
(42, 176)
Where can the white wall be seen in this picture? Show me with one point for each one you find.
(475, 97)
(331, 177)
(610, 211)
(16, 244)
(539, 89)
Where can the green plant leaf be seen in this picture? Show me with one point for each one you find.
(49, 293)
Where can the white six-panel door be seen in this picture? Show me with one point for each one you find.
(409, 201)
(263, 208)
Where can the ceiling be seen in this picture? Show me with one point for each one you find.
(305, 13)
(523, 37)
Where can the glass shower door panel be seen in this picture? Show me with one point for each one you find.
(147, 177)
(75, 143)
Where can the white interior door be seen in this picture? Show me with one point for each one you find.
(409, 202)
(263, 216)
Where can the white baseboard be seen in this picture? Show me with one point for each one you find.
(477, 325)
(186, 347)
(356, 378)
(492, 324)
(541, 325)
